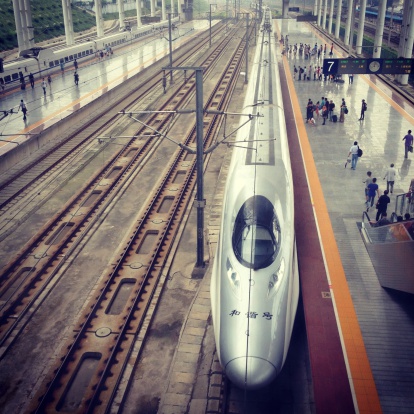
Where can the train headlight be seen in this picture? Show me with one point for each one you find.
(233, 278)
(276, 279)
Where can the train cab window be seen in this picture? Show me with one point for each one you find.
(256, 233)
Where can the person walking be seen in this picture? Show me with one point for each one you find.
(23, 107)
(367, 182)
(32, 80)
(363, 109)
(76, 76)
(372, 190)
(390, 176)
(408, 143)
(382, 205)
(351, 79)
(44, 85)
(353, 151)
(75, 64)
(49, 79)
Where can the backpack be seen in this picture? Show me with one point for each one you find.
(301, 70)
(345, 110)
(365, 106)
(360, 152)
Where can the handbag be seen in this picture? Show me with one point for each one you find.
(410, 148)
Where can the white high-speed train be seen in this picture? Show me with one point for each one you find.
(255, 283)
(38, 60)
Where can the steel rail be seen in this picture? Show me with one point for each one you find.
(98, 331)
(27, 275)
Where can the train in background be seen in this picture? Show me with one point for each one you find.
(255, 282)
(40, 60)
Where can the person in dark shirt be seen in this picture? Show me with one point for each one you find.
(382, 205)
(408, 143)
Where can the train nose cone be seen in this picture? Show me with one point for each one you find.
(256, 374)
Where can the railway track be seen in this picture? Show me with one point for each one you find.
(86, 377)
(111, 321)
(24, 278)
(37, 180)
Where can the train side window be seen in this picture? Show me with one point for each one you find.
(51, 64)
(83, 53)
(70, 57)
(7, 79)
(15, 76)
(56, 62)
(79, 54)
(62, 60)
(66, 59)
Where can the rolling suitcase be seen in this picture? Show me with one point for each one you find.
(334, 118)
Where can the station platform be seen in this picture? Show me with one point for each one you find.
(96, 78)
(375, 324)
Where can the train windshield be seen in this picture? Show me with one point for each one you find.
(256, 233)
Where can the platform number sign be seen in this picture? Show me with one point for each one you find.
(366, 66)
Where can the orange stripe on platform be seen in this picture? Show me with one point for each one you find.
(358, 367)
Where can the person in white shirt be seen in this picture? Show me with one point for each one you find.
(44, 85)
(353, 151)
(390, 176)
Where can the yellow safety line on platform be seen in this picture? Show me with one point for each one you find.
(361, 378)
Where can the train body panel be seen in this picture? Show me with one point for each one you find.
(255, 287)
(49, 59)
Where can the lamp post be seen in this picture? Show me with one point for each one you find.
(210, 21)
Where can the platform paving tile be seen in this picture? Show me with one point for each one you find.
(198, 406)
(180, 400)
(192, 339)
(185, 367)
(192, 330)
(196, 324)
(201, 315)
(214, 392)
(213, 406)
(201, 308)
(187, 356)
(189, 348)
(184, 377)
(180, 388)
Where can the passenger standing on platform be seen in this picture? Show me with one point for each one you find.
(324, 114)
(364, 107)
(408, 143)
(23, 107)
(76, 76)
(367, 182)
(331, 108)
(390, 176)
(372, 190)
(331, 52)
(310, 72)
(309, 110)
(31, 79)
(382, 205)
(75, 64)
(49, 79)
(351, 78)
(295, 71)
(300, 73)
(44, 85)
(62, 67)
(343, 110)
(324, 50)
(353, 151)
